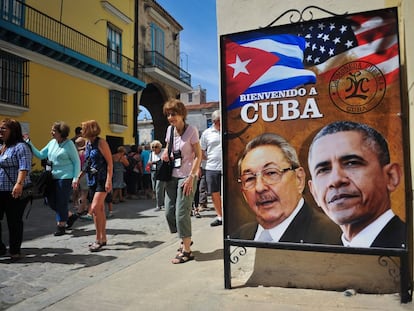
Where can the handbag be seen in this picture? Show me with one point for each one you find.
(40, 188)
(28, 189)
(165, 168)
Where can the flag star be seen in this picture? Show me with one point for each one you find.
(239, 66)
(337, 40)
(322, 49)
(349, 44)
(317, 60)
(309, 58)
(343, 29)
(314, 47)
(332, 26)
(325, 37)
(331, 52)
(321, 26)
(320, 35)
(307, 44)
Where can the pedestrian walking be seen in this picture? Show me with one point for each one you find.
(186, 154)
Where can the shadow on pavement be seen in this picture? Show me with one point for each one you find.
(215, 255)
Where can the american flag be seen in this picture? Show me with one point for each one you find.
(301, 54)
(370, 37)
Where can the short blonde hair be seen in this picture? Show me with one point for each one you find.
(156, 143)
(90, 129)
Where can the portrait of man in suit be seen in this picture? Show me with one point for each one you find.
(352, 178)
(272, 182)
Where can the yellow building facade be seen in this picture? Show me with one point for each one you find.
(80, 60)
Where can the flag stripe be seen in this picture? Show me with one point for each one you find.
(276, 47)
(279, 73)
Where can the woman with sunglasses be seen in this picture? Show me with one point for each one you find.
(157, 185)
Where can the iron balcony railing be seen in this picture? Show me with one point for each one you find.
(43, 25)
(155, 59)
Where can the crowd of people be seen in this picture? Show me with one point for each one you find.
(87, 178)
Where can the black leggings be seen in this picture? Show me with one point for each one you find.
(14, 210)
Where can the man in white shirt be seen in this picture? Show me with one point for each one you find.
(352, 178)
(272, 181)
(211, 146)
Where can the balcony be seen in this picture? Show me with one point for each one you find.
(29, 33)
(160, 68)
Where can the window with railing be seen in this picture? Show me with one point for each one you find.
(114, 46)
(117, 107)
(12, 11)
(14, 80)
(157, 39)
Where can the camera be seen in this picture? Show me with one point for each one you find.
(177, 158)
(92, 171)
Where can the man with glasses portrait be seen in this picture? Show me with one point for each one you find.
(272, 182)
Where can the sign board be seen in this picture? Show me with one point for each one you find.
(313, 136)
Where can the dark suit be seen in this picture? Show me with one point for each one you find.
(392, 235)
(308, 226)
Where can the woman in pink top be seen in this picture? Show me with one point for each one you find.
(179, 191)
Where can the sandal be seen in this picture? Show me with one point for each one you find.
(97, 242)
(180, 249)
(183, 257)
(95, 247)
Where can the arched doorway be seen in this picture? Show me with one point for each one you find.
(153, 98)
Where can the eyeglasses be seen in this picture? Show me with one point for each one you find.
(171, 114)
(155, 147)
(270, 176)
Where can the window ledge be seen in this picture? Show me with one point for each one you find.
(112, 9)
(117, 128)
(12, 110)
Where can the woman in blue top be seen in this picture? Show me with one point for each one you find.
(64, 157)
(99, 170)
(15, 163)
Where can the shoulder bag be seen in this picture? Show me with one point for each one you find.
(165, 168)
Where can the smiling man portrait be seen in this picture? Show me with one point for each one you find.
(352, 178)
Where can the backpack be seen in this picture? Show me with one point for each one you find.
(39, 188)
(43, 183)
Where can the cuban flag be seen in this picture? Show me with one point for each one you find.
(264, 63)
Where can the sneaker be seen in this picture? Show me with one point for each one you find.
(157, 209)
(87, 217)
(110, 215)
(216, 223)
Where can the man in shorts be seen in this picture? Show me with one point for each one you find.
(211, 146)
